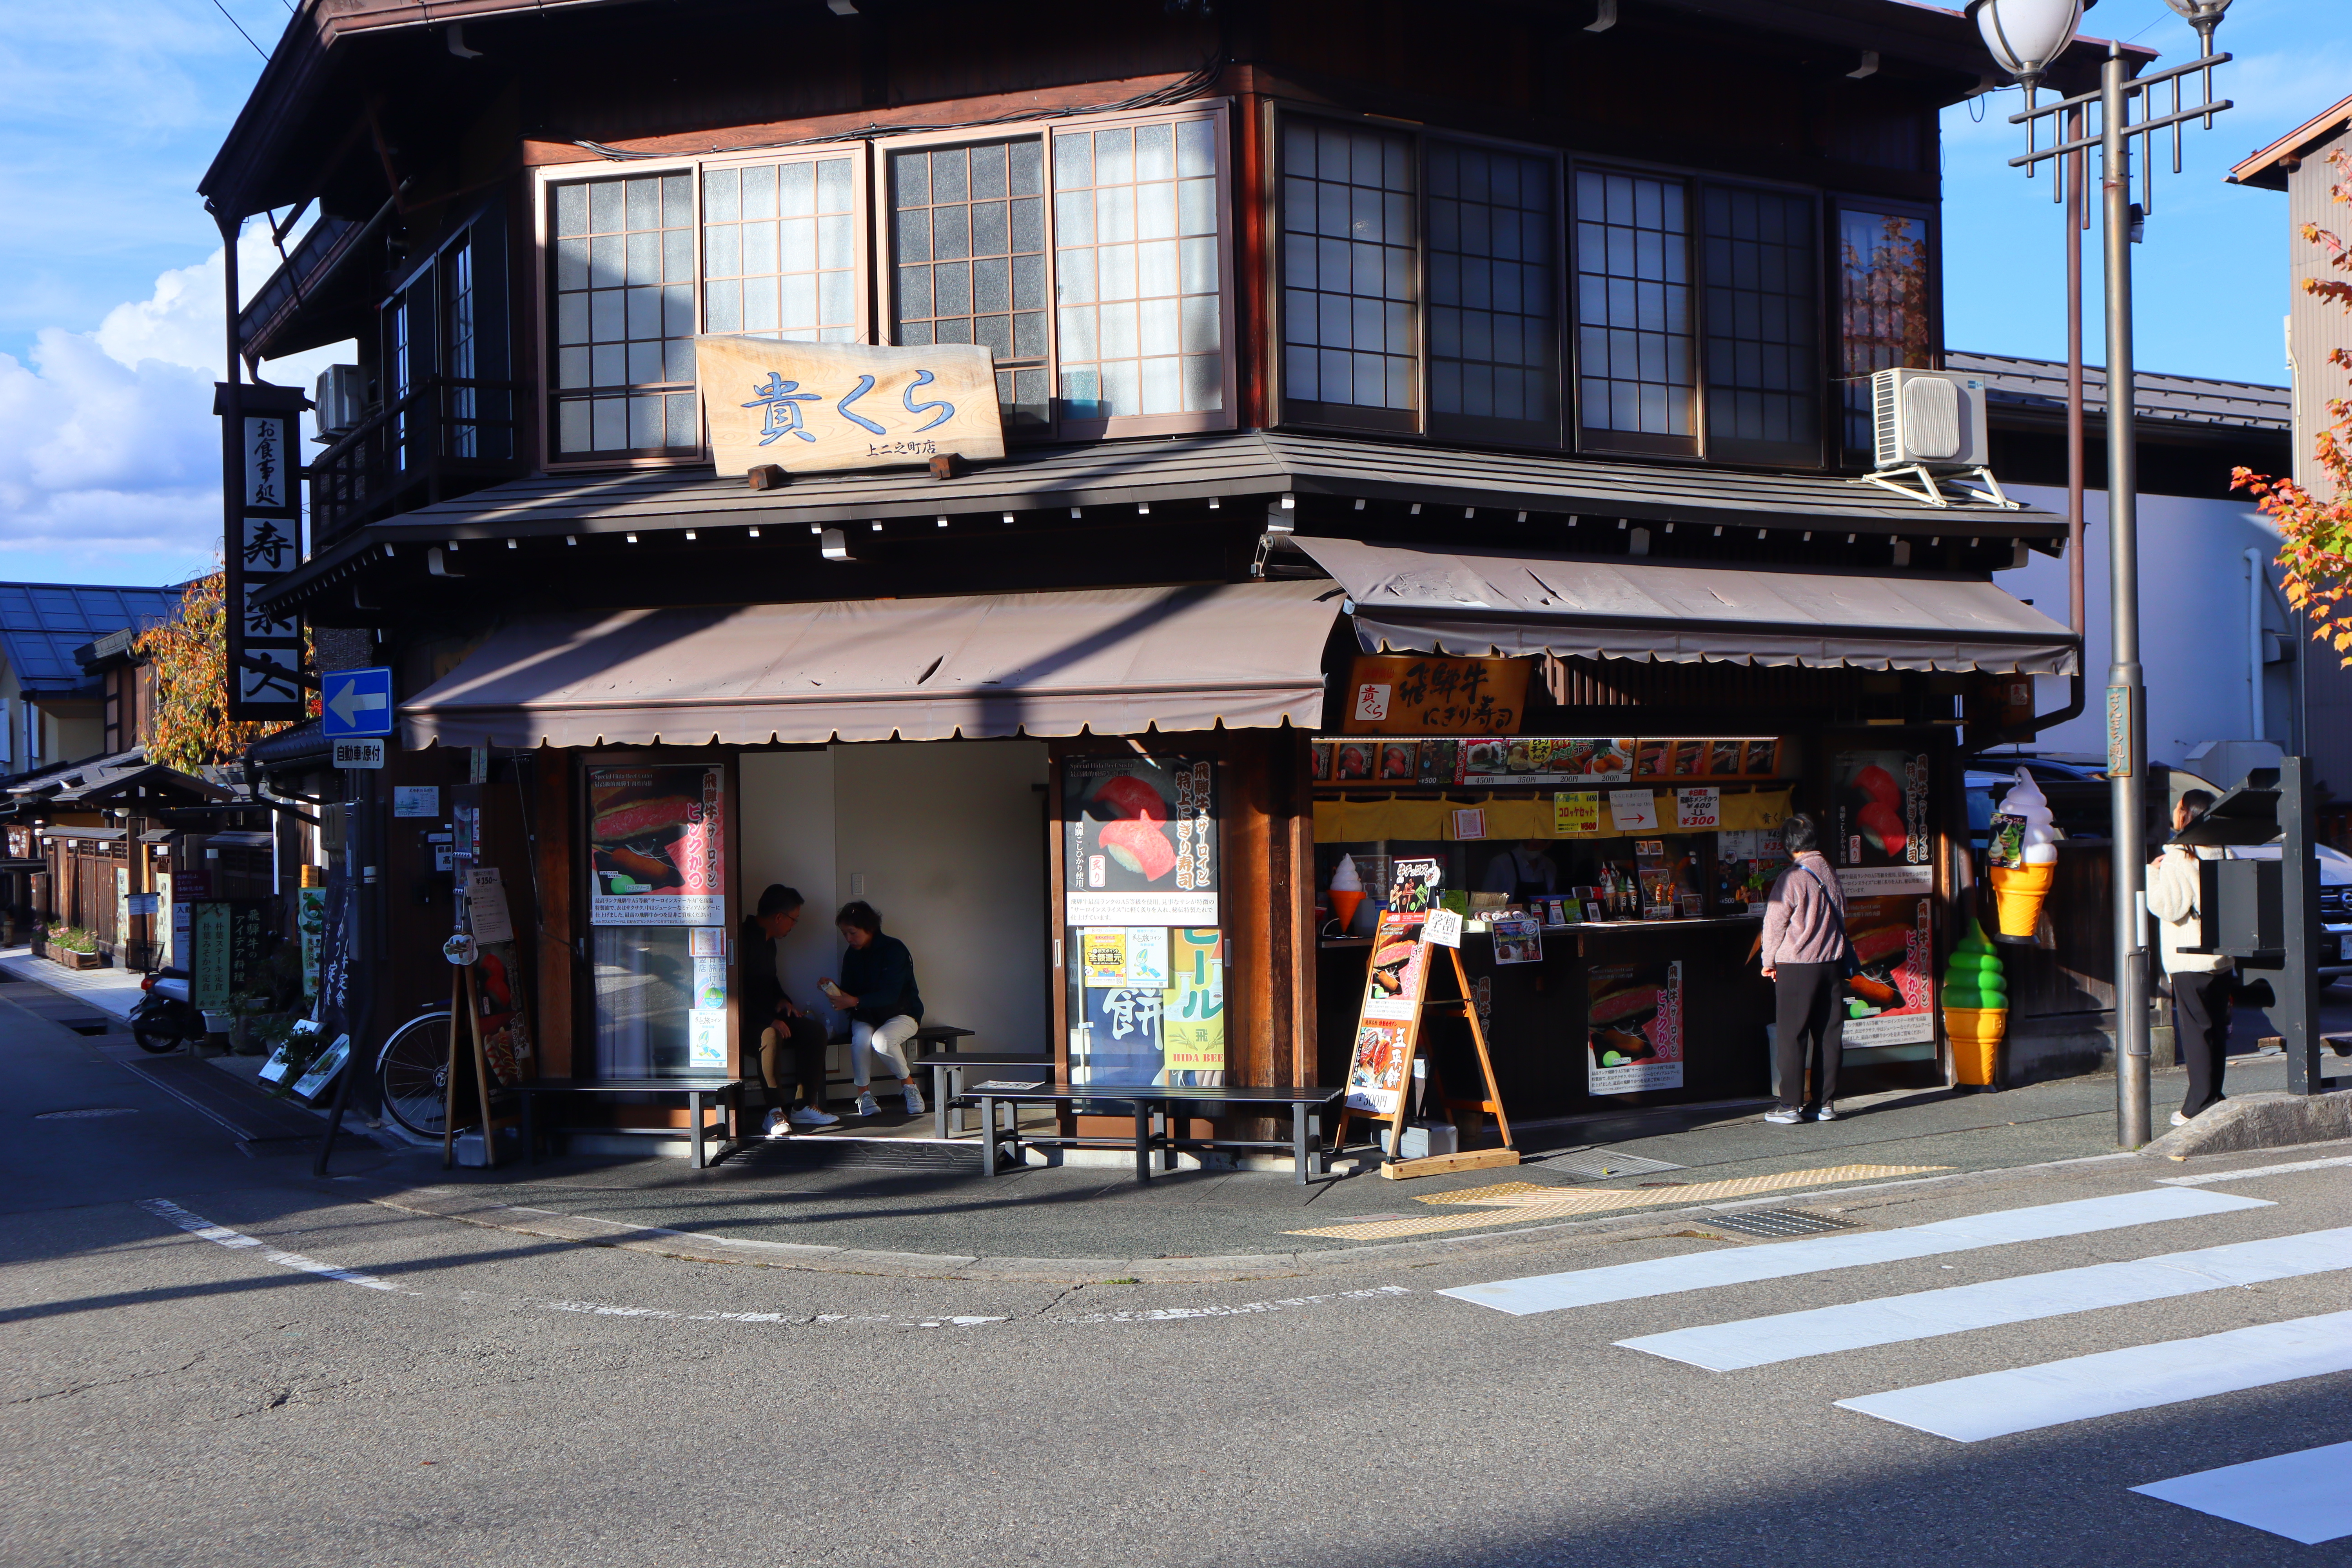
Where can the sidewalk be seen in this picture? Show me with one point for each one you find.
(111, 990)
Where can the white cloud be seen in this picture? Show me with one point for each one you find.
(109, 453)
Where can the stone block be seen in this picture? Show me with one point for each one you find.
(2270, 1119)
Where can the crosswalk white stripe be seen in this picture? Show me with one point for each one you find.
(1927, 1314)
(2303, 1496)
(2139, 1377)
(220, 1235)
(2287, 1170)
(1780, 1261)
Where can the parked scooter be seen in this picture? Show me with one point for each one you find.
(165, 1019)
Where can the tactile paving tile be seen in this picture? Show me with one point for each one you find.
(1777, 1223)
(1551, 1202)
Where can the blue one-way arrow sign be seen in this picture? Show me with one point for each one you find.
(355, 701)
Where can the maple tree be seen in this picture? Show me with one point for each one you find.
(190, 657)
(2315, 531)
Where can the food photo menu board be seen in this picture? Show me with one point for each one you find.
(1544, 759)
(656, 846)
(1139, 841)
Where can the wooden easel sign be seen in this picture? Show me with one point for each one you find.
(1388, 1042)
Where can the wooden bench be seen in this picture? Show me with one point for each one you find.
(1155, 1108)
(702, 1094)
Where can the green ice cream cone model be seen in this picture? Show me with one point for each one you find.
(1976, 1006)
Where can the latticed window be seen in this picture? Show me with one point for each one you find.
(1637, 350)
(968, 240)
(624, 316)
(1351, 274)
(779, 249)
(1886, 317)
(1494, 335)
(1763, 364)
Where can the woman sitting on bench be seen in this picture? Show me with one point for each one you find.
(878, 991)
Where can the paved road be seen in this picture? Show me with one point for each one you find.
(211, 1359)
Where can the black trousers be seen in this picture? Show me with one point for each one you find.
(805, 1039)
(1810, 1023)
(2201, 1027)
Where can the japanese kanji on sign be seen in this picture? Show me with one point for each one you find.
(261, 483)
(807, 406)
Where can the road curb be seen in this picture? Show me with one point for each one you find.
(693, 1246)
(2266, 1120)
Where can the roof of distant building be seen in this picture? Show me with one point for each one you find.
(41, 624)
(2039, 385)
(2268, 167)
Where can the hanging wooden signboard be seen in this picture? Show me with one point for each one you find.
(1382, 1068)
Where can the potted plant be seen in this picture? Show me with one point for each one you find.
(71, 946)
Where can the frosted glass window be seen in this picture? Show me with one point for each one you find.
(777, 251)
(1136, 274)
(1350, 293)
(624, 296)
(968, 256)
(1634, 304)
(1492, 337)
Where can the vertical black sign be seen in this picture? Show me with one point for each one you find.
(261, 464)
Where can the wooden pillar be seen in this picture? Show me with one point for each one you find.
(554, 988)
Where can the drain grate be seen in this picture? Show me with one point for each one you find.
(87, 1026)
(1773, 1223)
(94, 1110)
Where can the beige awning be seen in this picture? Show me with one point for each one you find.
(1116, 662)
(1480, 603)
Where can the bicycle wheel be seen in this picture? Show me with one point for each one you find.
(414, 1071)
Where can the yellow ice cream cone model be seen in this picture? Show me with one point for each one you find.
(2018, 892)
(1976, 1006)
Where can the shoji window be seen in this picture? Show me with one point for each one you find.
(1637, 359)
(968, 241)
(779, 250)
(624, 318)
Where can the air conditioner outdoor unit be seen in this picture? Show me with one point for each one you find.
(1929, 426)
(341, 402)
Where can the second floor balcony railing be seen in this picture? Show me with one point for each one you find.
(446, 437)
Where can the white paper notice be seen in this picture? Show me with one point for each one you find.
(1634, 810)
(1444, 927)
(1698, 807)
(1147, 957)
(417, 800)
(1470, 824)
(485, 907)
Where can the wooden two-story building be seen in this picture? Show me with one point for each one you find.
(1531, 340)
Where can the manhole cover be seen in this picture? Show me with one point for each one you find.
(1778, 1222)
(94, 1110)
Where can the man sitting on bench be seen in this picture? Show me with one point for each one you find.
(773, 1021)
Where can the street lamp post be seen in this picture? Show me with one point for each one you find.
(2024, 36)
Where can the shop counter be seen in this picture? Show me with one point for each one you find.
(1539, 1024)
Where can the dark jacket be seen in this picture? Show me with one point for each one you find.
(881, 976)
(762, 988)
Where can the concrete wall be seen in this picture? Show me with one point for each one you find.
(2194, 609)
(947, 840)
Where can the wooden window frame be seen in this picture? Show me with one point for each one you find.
(1835, 205)
(1746, 453)
(1422, 421)
(544, 181)
(1218, 112)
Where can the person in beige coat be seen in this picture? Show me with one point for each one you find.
(2202, 982)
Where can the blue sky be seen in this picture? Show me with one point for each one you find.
(109, 296)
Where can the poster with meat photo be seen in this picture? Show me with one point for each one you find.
(1376, 1072)
(1878, 813)
(1139, 841)
(1633, 1027)
(1888, 916)
(1400, 964)
(658, 846)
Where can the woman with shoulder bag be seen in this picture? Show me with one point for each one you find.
(1807, 957)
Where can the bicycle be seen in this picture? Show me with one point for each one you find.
(413, 1073)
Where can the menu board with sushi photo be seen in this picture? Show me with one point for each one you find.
(1400, 761)
(1354, 760)
(1546, 760)
(1139, 841)
(1318, 757)
(1879, 809)
(1633, 1023)
(1376, 1072)
(1761, 760)
(1441, 762)
(1722, 758)
(1399, 968)
(656, 846)
(1891, 999)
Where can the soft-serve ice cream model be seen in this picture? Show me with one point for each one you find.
(2023, 855)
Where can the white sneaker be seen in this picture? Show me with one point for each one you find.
(2178, 1120)
(776, 1126)
(810, 1116)
(1827, 1112)
(914, 1098)
(1784, 1117)
(866, 1106)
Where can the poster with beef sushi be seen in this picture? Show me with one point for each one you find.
(1139, 841)
(1633, 1027)
(1889, 915)
(1400, 964)
(656, 846)
(1880, 810)
(1376, 1071)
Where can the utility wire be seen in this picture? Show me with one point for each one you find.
(240, 29)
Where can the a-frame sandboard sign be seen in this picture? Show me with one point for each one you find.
(1397, 995)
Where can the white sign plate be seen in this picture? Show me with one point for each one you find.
(358, 753)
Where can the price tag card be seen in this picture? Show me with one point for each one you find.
(1442, 926)
(1698, 807)
(1634, 810)
(1576, 813)
(1470, 824)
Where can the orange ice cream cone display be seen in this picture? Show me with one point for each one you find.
(2018, 892)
